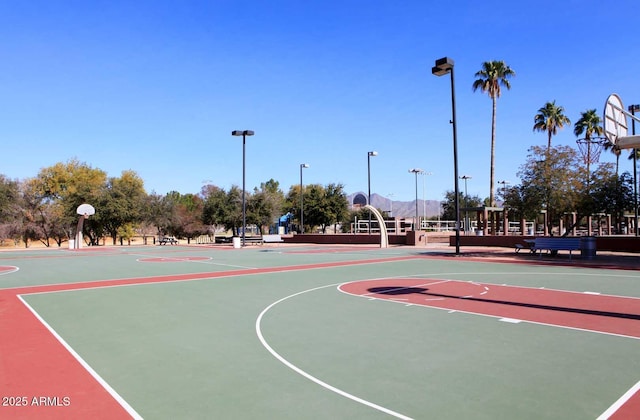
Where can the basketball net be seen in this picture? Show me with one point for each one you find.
(590, 149)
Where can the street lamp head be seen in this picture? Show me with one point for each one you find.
(242, 133)
(634, 108)
(465, 177)
(304, 165)
(416, 171)
(373, 153)
(443, 66)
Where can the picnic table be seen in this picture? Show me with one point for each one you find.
(168, 240)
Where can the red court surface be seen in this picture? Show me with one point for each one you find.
(594, 312)
(40, 378)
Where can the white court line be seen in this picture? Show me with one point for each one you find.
(85, 365)
(442, 275)
(621, 401)
(307, 375)
(511, 320)
(178, 259)
(487, 315)
(9, 271)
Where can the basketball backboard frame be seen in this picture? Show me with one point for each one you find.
(616, 127)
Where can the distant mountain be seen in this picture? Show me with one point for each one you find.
(400, 208)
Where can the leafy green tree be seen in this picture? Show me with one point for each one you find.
(215, 209)
(68, 185)
(550, 118)
(612, 194)
(323, 205)
(265, 205)
(552, 181)
(9, 193)
(120, 202)
(188, 217)
(337, 203)
(158, 211)
(490, 79)
(292, 202)
(10, 210)
(524, 201)
(233, 209)
(315, 209)
(449, 205)
(126, 232)
(34, 209)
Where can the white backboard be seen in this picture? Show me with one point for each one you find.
(615, 120)
(86, 210)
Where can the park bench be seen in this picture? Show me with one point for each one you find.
(556, 244)
(264, 239)
(248, 240)
(528, 244)
(271, 239)
(168, 240)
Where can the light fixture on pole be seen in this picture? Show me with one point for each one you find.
(244, 134)
(466, 202)
(302, 166)
(504, 190)
(443, 66)
(416, 171)
(633, 109)
(369, 154)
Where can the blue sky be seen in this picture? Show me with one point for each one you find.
(158, 86)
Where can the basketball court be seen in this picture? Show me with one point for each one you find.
(313, 332)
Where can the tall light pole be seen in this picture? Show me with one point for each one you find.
(443, 66)
(244, 134)
(504, 194)
(466, 202)
(633, 109)
(302, 166)
(416, 171)
(369, 154)
(424, 196)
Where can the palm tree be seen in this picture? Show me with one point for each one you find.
(634, 153)
(589, 124)
(550, 118)
(493, 75)
(616, 150)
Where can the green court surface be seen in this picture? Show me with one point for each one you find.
(266, 333)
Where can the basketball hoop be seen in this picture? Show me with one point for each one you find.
(590, 149)
(86, 210)
(616, 125)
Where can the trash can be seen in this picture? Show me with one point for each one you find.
(72, 244)
(588, 247)
(236, 242)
